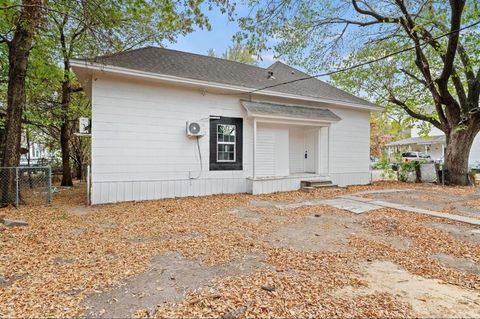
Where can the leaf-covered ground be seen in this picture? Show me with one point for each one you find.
(316, 258)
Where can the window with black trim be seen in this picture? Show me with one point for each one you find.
(226, 143)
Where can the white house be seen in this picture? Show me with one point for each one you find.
(257, 135)
(433, 144)
(35, 153)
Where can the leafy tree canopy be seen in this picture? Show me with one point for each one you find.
(238, 53)
(435, 79)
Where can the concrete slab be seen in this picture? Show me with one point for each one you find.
(277, 205)
(384, 191)
(14, 222)
(313, 202)
(356, 198)
(468, 220)
(351, 205)
(381, 204)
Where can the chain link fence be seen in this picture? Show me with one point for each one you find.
(25, 186)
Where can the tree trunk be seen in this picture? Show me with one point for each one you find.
(18, 51)
(457, 153)
(65, 130)
(65, 105)
(79, 169)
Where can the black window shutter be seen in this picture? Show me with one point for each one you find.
(226, 166)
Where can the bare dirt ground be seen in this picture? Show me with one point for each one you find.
(243, 256)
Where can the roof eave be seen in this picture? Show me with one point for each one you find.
(279, 117)
(91, 66)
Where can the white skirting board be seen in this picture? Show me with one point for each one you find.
(124, 191)
(345, 179)
(288, 183)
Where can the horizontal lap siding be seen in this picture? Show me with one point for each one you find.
(272, 150)
(140, 149)
(349, 145)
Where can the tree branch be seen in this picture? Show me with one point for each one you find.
(346, 21)
(76, 90)
(457, 82)
(416, 115)
(442, 94)
(466, 62)
(416, 78)
(462, 53)
(373, 13)
(455, 24)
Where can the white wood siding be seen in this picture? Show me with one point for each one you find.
(140, 149)
(349, 148)
(272, 150)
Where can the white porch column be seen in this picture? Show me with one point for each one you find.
(318, 146)
(254, 147)
(323, 146)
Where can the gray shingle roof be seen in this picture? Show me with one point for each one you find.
(437, 139)
(205, 68)
(290, 111)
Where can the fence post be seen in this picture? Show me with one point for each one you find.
(88, 185)
(17, 190)
(49, 183)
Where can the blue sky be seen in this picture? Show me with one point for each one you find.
(218, 38)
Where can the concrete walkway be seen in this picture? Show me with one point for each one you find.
(351, 204)
(458, 218)
(360, 204)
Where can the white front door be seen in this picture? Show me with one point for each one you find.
(310, 150)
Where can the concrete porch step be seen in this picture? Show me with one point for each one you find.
(309, 185)
(316, 183)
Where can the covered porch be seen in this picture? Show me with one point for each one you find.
(431, 145)
(290, 145)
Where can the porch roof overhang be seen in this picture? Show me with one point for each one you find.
(275, 111)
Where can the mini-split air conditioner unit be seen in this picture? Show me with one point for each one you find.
(195, 129)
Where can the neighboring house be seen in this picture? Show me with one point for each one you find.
(37, 156)
(253, 141)
(433, 145)
(35, 153)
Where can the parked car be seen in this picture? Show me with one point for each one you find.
(416, 156)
